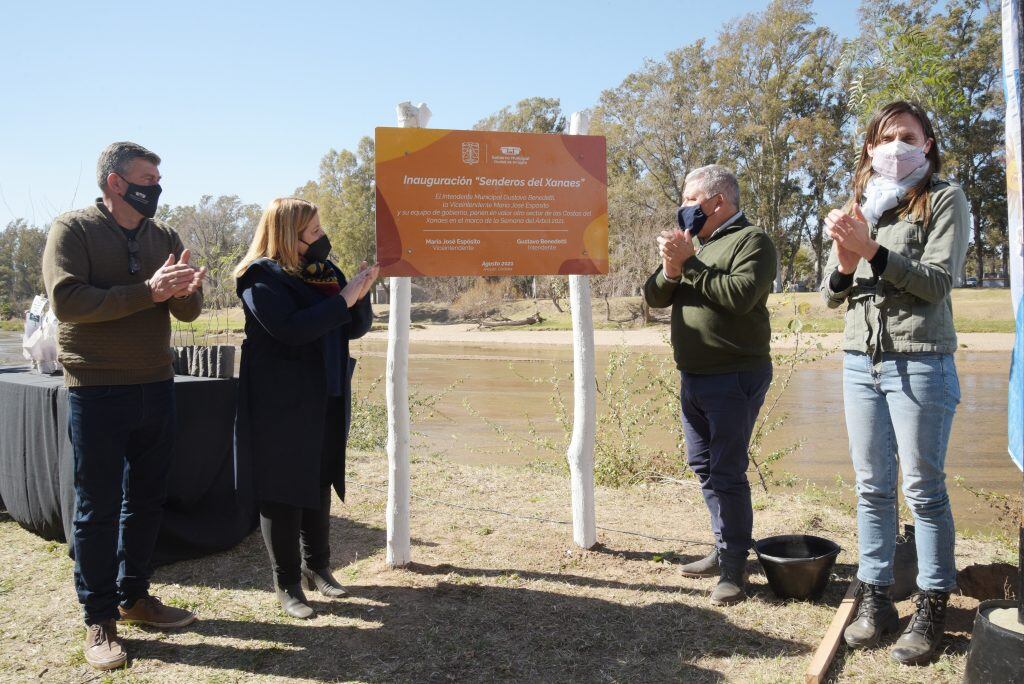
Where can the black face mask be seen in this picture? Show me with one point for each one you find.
(318, 250)
(691, 218)
(142, 198)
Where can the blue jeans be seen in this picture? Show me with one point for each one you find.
(899, 414)
(719, 412)
(122, 438)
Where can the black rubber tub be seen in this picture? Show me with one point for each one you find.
(797, 565)
(997, 653)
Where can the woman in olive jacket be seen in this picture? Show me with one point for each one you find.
(295, 390)
(898, 246)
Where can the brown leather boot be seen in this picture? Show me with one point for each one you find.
(149, 611)
(102, 649)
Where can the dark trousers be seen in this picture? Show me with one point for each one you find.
(294, 535)
(719, 412)
(122, 437)
(289, 530)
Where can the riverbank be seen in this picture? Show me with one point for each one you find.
(489, 597)
(974, 311)
(655, 336)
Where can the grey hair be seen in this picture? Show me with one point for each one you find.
(714, 179)
(117, 158)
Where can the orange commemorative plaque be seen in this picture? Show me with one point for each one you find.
(490, 203)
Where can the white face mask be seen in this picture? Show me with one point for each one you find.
(897, 159)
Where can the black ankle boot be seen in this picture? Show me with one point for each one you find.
(875, 616)
(323, 581)
(927, 626)
(293, 601)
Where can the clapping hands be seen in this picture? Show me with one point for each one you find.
(852, 236)
(176, 278)
(198, 274)
(360, 285)
(675, 247)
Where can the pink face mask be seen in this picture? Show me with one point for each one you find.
(897, 159)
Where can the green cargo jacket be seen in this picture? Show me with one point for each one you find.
(908, 307)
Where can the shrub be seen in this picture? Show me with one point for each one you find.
(368, 430)
(484, 298)
(638, 397)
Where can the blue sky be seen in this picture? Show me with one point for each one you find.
(244, 98)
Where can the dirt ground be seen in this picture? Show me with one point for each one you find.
(489, 597)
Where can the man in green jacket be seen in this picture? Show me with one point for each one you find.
(114, 277)
(716, 273)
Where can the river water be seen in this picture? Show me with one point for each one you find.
(509, 386)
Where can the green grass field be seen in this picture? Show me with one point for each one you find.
(974, 311)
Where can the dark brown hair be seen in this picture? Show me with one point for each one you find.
(117, 158)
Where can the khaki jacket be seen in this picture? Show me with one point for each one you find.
(908, 308)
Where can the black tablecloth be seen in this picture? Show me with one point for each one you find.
(205, 511)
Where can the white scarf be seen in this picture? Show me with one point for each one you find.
(882, 193)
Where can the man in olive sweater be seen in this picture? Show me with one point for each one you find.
(114, 276)
(721, 342)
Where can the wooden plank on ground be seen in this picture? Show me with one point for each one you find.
(818, 668)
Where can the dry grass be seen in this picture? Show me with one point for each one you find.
(488, 598)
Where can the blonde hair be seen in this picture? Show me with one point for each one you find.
(277, 234)
(917, 203)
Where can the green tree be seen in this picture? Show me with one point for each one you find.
(21, 276)
(530, 115)
(969, 34)
(949, 62)
(346, 197)
(782, 112)
(659, 124)
(217, 232)
(897, 60)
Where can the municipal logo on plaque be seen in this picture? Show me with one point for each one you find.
(471, 152)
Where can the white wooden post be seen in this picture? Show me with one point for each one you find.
(397, 386)
(584, 424)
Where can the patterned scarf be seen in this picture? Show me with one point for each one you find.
(320, 275)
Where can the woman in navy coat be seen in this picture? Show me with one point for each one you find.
(295, 390)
